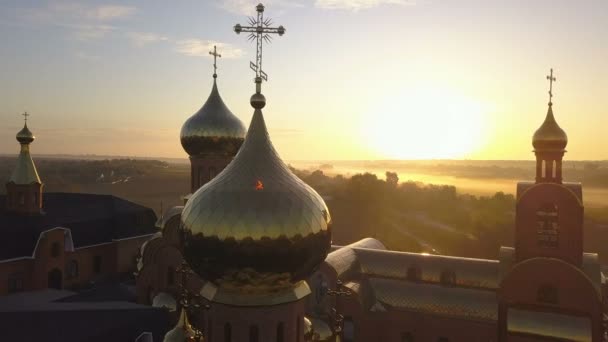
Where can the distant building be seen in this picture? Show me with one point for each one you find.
(64, 240)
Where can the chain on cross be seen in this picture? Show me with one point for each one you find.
(215, 56)
(260, 31)
(551, 79)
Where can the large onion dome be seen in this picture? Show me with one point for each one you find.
(549, 136)
(25, 136)
(256, 226)
(213, 129)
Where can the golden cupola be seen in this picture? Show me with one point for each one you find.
(549, 136)
(25, 172)
(256, 227)
(213, 129)
(183, 331)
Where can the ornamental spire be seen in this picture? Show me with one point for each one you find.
(260, 30)
(215, 56)
(551, 79)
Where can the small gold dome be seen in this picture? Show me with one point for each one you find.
(182, 332)
(549, 136)
(25, 136)
(213, 129)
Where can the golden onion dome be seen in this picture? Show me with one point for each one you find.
(213, 129)
(182, 332)
(25, 171)
(25, 136)
(255, 220)
(549, 136)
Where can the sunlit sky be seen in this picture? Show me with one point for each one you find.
(351, 79)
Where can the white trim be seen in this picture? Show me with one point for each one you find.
(134, 237)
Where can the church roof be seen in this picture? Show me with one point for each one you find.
(435, 299)
(351, 261)
(25, 170)
(92, 219)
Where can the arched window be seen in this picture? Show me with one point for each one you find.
(97, 264)
(55, 249)
(170, 275)
(254, 334)
(547, 294)
(281, 332)
(448, 278)
(544, 169)
(73, 269)
(547, 233)
(414, 273)
(227, 332)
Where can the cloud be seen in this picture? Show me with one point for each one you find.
(200, 48)
(356, 5)
(84, 22)
(86, 56)
(247, 7)
(140, 39)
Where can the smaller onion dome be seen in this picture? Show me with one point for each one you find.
(213, 129)
(182, 332)
(25, 136)
(25, 171)
(549, 136)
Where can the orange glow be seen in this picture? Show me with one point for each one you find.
(259, 185)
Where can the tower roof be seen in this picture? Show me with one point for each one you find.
(182, 332)
(549, 136)
(25, 171)
(214, 129)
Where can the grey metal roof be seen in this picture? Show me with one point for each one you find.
(436, 299)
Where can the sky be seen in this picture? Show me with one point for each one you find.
(350, 79)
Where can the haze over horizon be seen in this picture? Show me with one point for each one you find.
(351, 79)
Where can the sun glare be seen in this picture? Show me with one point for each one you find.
(425, 124)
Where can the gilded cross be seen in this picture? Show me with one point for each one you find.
(215, 56)
(25, 115)
(551, 80)
(260, 31)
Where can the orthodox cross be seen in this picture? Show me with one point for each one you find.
(551, 80)
(215, 56)
(25, 115)
(259, 30)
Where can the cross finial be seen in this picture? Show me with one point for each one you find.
(551, 79)
(260, 31)
(215, 56)
(25, 115)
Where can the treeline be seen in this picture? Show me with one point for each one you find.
(413, 216)
(55, 172)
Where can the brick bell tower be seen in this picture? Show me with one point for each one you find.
(24, 188)
(549, 221)
(211, 137)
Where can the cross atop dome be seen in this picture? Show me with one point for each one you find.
(215, 56)
(260, 30)
(551, 79)
(25, 115)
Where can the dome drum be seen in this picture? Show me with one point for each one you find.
(205, 143)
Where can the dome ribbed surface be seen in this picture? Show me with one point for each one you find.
(549, 136)
(214, 129)
(256, 214)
